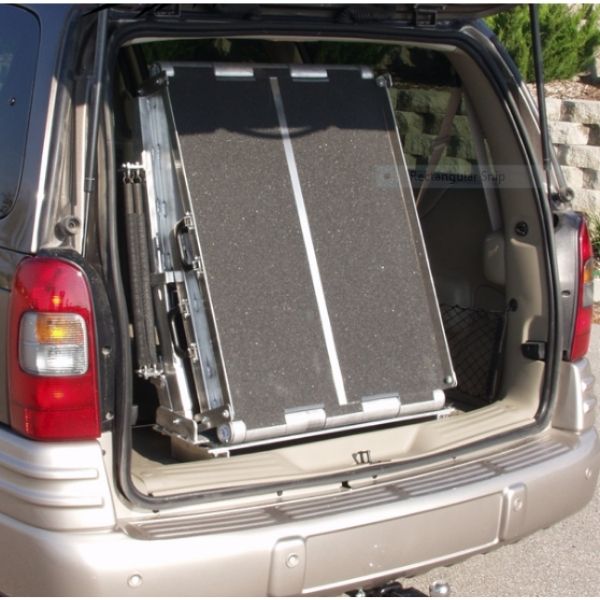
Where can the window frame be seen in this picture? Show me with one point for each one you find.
(24, 88)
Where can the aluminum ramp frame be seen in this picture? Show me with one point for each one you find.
(298, 238)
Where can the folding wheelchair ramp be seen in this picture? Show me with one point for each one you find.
(321, 299)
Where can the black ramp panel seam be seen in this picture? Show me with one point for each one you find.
(377, 292)
(265, 312)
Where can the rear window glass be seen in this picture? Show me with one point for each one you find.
(19, 39)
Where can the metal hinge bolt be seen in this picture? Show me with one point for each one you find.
(188, 221)
(193, 353)
(184, 308)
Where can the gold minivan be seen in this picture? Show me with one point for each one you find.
(294, 300)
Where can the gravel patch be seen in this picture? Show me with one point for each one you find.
(578, 88)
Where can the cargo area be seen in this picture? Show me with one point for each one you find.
(332, 258)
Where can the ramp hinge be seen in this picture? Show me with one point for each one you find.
(184, 308)
(384, 81)
(188, 222)
(193, 353)
(150, 372)
(133, 173)
(153, 84)
(187, 244)
(197, 266)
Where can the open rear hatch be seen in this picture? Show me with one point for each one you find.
(290, 284)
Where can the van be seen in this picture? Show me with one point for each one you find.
(294, 300)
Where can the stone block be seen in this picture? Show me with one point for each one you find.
(587, 200)
(422, 100)
(409, 122)
(418, 144)
(562, 154)
(595, 71)
(411, 161)
(460, 124)
(462, 147)
(596, 289)
(413, 101)
(590, 179)
(562, 132)
(439, 101)
(393, 93)
(455, 166)
(594, 139)
(433, 123)
(581, 111)
(461, 128)
(584, 157)
(553, 109)
(574, 176)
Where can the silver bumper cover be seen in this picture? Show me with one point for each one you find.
(357, 537)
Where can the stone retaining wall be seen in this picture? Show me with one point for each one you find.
(574, 127)
(419, 113)
(575, 131)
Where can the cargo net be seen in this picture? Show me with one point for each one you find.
(475, 339)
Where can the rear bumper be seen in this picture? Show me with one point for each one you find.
(346, 540)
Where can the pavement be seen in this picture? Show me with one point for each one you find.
(563, 560)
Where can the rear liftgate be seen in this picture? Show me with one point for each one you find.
(290, 283)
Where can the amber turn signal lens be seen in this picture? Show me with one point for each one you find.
(53, 344)
(59, 329)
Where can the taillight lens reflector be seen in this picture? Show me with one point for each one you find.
(53, 344)
(584, 315)
(53, 384)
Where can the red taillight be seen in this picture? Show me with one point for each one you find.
(53, 387)
(585, 297)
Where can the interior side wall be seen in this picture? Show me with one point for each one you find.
(524, 264)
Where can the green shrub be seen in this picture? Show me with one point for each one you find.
(593, 223)
(570, 36)
(348, 53)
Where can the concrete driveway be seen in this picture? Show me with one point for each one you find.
(561, 561)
